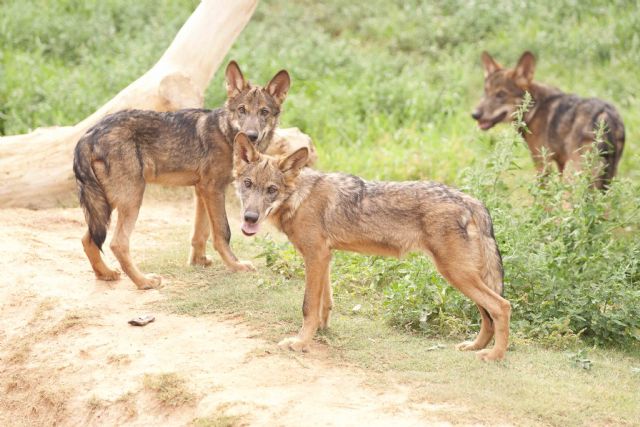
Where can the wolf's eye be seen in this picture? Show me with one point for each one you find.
(242, 110)
(501, 94)
(248, 183)
(272, 189)
(264, 112)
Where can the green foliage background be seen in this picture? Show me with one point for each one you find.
(385, 89)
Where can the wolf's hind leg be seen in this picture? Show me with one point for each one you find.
(200, 235)
(464, 277)
(484, 336)
(127, 216)
(102, 271)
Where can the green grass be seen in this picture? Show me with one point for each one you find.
(535, 385)
(384, 88)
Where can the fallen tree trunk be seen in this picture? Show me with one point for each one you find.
(36, 168)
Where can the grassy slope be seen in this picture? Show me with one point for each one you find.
(383, 87)
(534, 386)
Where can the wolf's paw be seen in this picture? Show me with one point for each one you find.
(467, 346)
(151, 281)
(295, 344)
(108, 275)
(201, 260)
(243, 266)
(488, 355)
(325, 322)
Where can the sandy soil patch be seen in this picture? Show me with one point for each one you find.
(68, 356)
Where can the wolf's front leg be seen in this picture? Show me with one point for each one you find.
(200, 235)
(327, 302)
(214, 202)
(317, 279)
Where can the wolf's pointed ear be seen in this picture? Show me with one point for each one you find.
(243, 151)
(294, 161)
(523, 73)
(234, 79)
(490, 65)
(279, 86)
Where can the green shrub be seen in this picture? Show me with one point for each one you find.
(571, 258)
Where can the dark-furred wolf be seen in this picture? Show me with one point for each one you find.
(321, 212)
(562, 124)
(125, 151)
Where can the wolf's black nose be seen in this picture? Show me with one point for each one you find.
(476, 115)
(251, 217)
(252, 135)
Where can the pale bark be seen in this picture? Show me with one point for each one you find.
(36, 168)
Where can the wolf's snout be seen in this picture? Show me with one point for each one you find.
(250, 225)
(251, 217)
(252, 135)
(476, 115)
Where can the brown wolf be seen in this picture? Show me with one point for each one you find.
(562, 124)
(125, 151)
(321, 212)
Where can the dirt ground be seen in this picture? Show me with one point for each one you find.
(68, 356)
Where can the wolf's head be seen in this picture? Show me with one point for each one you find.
(254, 110)
(504, 89)
(263, 182)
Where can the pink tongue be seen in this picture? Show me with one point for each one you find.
(250, 228)
(484, 125)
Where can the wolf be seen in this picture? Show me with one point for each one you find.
(322, 212)
(560, 124)
(125, 151)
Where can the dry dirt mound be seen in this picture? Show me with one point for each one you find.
(68, 356)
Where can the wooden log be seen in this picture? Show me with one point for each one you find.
(36, 168)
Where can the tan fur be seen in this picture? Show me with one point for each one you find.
(321, 212)
(560, 124)
(125, 151)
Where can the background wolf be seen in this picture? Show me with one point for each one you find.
(125, 151)
(564, 125)
(321, 212)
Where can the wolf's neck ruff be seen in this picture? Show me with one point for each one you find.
(302, 188)
(225, 126)
(540, 94)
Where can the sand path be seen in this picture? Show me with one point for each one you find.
(68, 356)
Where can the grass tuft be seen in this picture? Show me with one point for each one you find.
(127, 402)
(220, 418)
(169, 388)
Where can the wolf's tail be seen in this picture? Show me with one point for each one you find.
(612, 145)
(93, 199)
(491, 270)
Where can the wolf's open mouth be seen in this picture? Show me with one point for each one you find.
(249, 229)
(488, 124)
